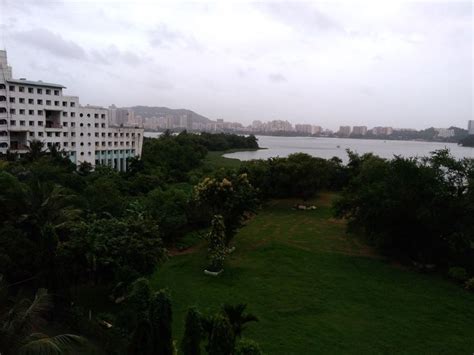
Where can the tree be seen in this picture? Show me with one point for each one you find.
(193, 333)
(247, 347)
(231, 197)
(19, 325)
(221, 338)
(160, 319)
(217, 248)
(237, 317)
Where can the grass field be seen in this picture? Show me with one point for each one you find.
(215, 160)
(318, 291)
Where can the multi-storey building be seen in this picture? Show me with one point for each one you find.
(359, 130)
(470, 126)
(303, 128)
(344, 131)
(36, 110)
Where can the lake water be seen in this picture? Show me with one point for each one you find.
(330, 147)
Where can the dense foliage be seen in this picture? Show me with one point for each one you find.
(298, 175)
(419, 209)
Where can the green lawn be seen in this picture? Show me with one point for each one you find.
(316, 291)
(215, 160)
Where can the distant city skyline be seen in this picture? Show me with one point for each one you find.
(372, 63)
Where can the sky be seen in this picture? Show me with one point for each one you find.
(392, 63)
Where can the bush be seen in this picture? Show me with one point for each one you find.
(247, 347)
(470, 284)
(458, 274)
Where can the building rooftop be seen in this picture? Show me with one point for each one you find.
(35, 83)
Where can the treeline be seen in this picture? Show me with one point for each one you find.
(467, 141)
(417, 210)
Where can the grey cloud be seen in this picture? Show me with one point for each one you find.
(44, 39)
(277, 78)
(301, 16)
(164, 37)
(112, 54)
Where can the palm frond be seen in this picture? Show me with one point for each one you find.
(30, 314)
(41, 344)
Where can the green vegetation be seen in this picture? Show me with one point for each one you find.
(317, 290)
(468, 141)
(111, 249)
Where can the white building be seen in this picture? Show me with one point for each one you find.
(36, 110)
(470, 126)
(445, 132)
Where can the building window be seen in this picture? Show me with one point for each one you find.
(64, 103)
(39, 91)
(12, 100)
(31, 112)
(72, 104)
(21, 89)
(88, 115)
(82, 143)
(11, 88)
(109, 134)
(73, 134)
(103, 134)
(64, 114)
(48, 92)
(40, 123)
(81, 114)
(22, 111)
(73, 144)
(48, 102)
(12, 111)
(56, 92)
(22, 123)
(102, 116)
(96, 125)
(40, 112)
(40, 134)
(56, 103)
(31, 101)
(57, 134)
(73, 114)
(32, 134)
(82, 153)
(73, 124)
(103, 125)
(30, 90)
(12, 123)
(39, 102)
(96, 115)
(65, 144)
(88, 125)
(96, 134)
(22, 100)
(81, 134)
(31, 123)
(49, 134)
(65, 134)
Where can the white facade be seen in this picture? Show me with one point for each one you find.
(35, 110)
(470, 126)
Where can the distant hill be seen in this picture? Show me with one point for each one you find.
(149, 111)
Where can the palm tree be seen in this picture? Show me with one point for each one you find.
(237, 317)
(19, 327)
(35, 150)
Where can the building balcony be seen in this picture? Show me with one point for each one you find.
(19, 128)
(15, 147)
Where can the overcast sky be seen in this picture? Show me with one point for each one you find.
(400, 64)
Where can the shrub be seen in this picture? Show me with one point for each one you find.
(458, 274)
(470, 284)
(247, 347)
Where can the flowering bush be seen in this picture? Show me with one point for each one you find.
(232, 197)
